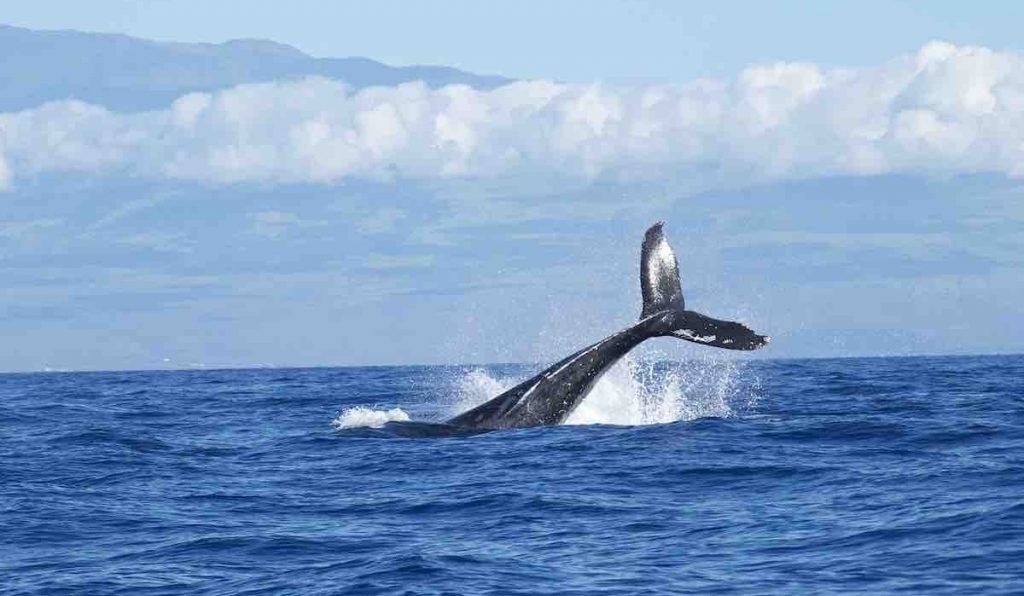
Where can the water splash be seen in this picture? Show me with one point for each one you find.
(363, 416)
(475, 387)
(638, 391)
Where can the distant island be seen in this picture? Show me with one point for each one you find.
(128, 74)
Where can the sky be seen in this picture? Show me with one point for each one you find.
(846, 198)
(567, 40)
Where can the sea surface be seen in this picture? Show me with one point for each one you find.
(875, 475)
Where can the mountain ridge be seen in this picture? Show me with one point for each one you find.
(128, 74)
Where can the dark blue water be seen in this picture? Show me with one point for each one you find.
(862, 475)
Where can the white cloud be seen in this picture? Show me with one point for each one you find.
(944, 109)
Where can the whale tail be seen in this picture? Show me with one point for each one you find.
(659, 274)
(663, 295)
(551, 395)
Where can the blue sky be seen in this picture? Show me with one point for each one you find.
(845, 197)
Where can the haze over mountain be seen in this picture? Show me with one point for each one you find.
(129, 74)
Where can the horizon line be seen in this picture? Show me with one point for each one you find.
(218, 368)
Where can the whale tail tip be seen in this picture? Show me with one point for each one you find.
(662, 293)
(659, 273)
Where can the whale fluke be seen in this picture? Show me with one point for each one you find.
(550, 396)
(659, 273)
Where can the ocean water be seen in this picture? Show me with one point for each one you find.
(875, 475)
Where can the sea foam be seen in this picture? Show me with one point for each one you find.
(363, 416)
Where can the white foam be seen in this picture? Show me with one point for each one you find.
(363, 416)
(635, 392)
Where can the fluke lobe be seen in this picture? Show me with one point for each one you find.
(552, 395)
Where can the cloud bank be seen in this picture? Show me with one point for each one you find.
(944, 109)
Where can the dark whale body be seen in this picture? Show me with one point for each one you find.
(549, 397)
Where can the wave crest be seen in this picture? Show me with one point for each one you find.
(361, 416)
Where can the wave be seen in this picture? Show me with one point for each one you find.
(362, 416)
